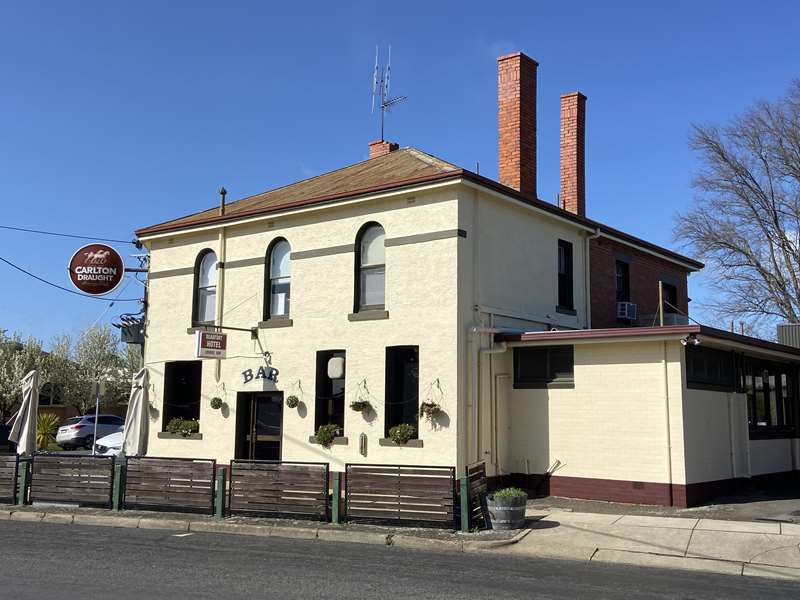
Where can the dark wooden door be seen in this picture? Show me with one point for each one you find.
(259, 417)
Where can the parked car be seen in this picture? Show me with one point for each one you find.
(79, 432)
(110, 445)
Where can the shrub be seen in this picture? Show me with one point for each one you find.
(46, 429)
(184, 427)
(216, 403)
(509, 492)
(292, 401)
(400, 434)
(326, 434)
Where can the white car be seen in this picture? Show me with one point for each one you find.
(110, 445)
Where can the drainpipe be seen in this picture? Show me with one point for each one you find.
(222, 243)
(477, 350)
(587, 286)
(667, 421)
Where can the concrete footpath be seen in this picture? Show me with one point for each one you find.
(761, 549)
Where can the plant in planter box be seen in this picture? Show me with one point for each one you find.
(361, 405)
(292, 401)
(429, 410)
(216, 403)
(184, 427)
(507, 508)
(400, 434)
(326, 434)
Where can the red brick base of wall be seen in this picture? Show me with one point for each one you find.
(629, 492)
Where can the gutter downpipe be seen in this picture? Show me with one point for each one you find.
(220, 289)
(587, 292)
(667, 419)
(476, 331)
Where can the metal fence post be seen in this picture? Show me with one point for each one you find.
(464, 497)
(219, 502)
(118, 493)
(23, 481)
(337, 497)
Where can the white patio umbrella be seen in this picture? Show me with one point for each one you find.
(137, 419)
(23, 431)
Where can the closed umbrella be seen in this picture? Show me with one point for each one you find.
(23, 431)
(137, 419)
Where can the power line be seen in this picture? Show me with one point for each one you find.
(55, 285)
(68, 235)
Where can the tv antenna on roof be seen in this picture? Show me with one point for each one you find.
(381, 76)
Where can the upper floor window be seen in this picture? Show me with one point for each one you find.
(205, 288)
(623, 280)
(670, 297)
(370, 268)
(565, 295)
(278, 280)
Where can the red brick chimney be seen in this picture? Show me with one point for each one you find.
(379, 148)
(516, 122)
(573, 146)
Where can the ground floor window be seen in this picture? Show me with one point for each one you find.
(402, 387)
(329, 404)
(708, 368)
(771, 390)
(182, 381)
(544, 366)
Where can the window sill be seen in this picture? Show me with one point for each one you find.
(408, 444)
(166, 435)
(368, 315)
(337, 441)
(195, 328)
(550, 385)
(275, 322)
(566, 311)
(766, 434)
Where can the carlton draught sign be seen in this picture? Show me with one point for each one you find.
(96, 269)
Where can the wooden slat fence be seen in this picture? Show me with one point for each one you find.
(8, 478)
(279, 489)
(85, 480)
(476, 480)
(172, 484)
(402, 494)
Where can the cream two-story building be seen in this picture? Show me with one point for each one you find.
(405, 281)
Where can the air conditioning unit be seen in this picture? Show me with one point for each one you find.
(626, 310)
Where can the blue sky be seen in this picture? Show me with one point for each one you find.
(119, 115)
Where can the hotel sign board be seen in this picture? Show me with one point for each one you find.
(211, 344)
(96, 269)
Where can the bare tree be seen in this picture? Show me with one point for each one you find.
(745, 223)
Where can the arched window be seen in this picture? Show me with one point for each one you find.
(370, 268)
(278, 280)
(205, 288)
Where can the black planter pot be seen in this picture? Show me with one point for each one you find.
(507, 513)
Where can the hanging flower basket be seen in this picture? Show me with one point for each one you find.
(292, 401)
(216, 403)
(361, 405)
(429, 410)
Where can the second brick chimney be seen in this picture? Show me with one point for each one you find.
(379, 148)
(516, 122)
(573, 149)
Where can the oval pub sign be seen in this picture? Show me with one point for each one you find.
(96, 269)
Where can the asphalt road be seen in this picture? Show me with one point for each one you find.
(51, 562)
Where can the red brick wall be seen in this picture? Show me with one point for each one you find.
(516, 122)
(379, 148)
(573, 162)
(645, 272)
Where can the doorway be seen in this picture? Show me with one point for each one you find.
(258, 425)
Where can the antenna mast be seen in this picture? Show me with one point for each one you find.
(381, 76)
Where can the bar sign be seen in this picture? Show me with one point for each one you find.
(211, 344)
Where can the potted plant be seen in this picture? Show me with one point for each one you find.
(216, 403)
(326, 434)
(400, 434)
(183, 427)
(361, 405)
(292, 401)
(429, 410)
(507, 508)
